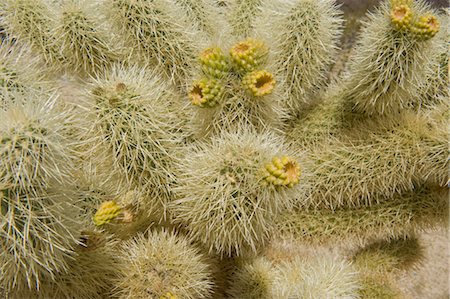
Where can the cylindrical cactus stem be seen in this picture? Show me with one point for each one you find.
(203, 13)
(157, 36)
(31, 22)
(40, 220)
(382, 157)
(390, 64)
(253, 279)
(399, 216)
(389, 256)
(94, 268)
(242, 16)
(317, 276)
(20, 74)
(133, 124)
(305, 45)
(85, 43)
(177, 268)
(214, 63)
(224, 197)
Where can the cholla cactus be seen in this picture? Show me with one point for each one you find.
(39, 219)
(205, 149)
(84, 43)
(162, 263)
(224, 197)
(141, 147)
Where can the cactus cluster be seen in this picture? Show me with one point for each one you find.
(174, 149)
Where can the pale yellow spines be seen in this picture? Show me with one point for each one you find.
(107, 212)
(259, 83)
(425, 27)
(247, 55)
(401, 2)
(206, 93)
(214, 63)
(401, 17)
(283, 171)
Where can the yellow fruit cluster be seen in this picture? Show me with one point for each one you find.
(107, 212)
(423, 28)
(426, 27)
(214, 63)
(248, 55)
(401, 17)
(283, 171)
(168, 295)
(206, 93)
(259, 83)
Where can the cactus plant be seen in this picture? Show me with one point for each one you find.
(213, 149)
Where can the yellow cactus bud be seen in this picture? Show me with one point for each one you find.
(214, 63)
(260, 83)
(168, 295)
(426, 27)
(401, 17)
(248, 55)
(206, 93)
(107, 212)
(283, 171)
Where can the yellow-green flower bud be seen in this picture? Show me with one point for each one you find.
(206, 93)
(259, 83)
(248, 55)
(214, 62)
(426, 27)
(107, 212)
(283, 171)
(401, 17)
(168, 295)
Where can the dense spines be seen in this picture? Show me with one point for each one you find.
(324, 276)
(376, 160)
(389, 66)
(85, 43)
(202, 12)
(157, 263)
(398, 216)
(39, 220)
(253, 280)
(91, 272)
(242, 16)
(305, 45)
(31, 21)
(221, 195)
(20, 74)
(156, 36)
(132, 124)
(389, 256)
